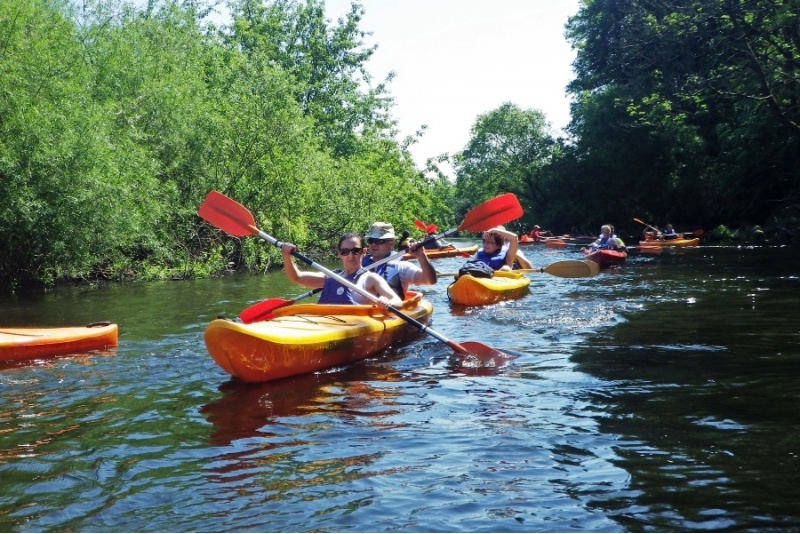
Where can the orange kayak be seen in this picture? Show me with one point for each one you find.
(305, 338)
(447, 252)
(26, 343)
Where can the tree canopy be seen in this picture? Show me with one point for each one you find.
(116, 120)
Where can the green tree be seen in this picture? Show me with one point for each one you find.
(508, 151)
(719, 78)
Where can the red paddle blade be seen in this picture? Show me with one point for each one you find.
(473, 354)
(491, 213)
(227, 215)
(261, 310)
(421, 225)
(431, 228)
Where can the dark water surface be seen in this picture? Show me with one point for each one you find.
(663, 396)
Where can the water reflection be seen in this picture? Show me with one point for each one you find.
(247, 410)
(706, 400)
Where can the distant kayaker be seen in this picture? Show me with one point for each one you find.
(537, 233)
(400, 273)
(669, 232)
(351, 250)
(435, 244)
(608, 240)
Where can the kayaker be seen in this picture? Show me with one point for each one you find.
(435, 244)
(537, 232)
(608, 240)
(400, 273)
(495, 253)
(616, 242)
(351, 250)
(669, 232)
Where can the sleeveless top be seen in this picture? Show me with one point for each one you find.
(496, 261)
(335, 293)
(390, 272)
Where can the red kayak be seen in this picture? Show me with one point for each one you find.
(606, 258)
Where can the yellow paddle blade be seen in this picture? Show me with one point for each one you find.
(572, 269)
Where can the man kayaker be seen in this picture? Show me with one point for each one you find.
(537, 233)
(351, 249)
(401, 273)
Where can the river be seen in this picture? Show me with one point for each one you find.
(660, 396)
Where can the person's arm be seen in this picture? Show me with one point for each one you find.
(296, 276)
(380, 288)
(511, 253)
(426, 268)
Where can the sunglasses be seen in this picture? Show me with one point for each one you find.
(376, 241)
(347, 251)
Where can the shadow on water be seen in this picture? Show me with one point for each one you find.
(707, 395)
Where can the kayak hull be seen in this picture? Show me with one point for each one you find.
(607, 258)
(504, 285)
(448, 252)
(28, 343)
(305, 338)
(671, 242)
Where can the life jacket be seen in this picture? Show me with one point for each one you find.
(335, 293)
(602, 243)
(496, 261)
(390, 272)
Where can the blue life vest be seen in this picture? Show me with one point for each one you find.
(496, 261)
(335, 293)
(390, 272)
(603, 243)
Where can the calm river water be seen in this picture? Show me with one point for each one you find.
(662, 396)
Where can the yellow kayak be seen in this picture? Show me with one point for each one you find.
(26, 343)
(671, 242)
(504, 285)
(305, 338)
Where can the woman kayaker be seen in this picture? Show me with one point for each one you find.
(607, 240)
(495, 253)
(351, 250)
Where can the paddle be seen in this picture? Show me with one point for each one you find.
(478, 219)
(233, 218)
(562, 269)
(261, 311)
(647, 225)
(432, 228)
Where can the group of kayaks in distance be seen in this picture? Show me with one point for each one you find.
(278, 338)
(609, 251)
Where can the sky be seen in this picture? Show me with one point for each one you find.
(456, 59)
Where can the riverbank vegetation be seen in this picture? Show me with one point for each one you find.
(116, 121)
